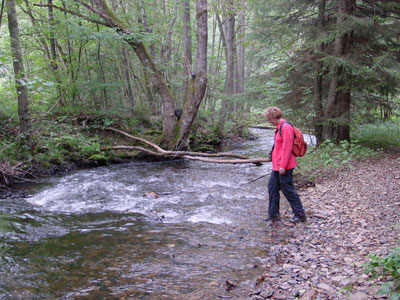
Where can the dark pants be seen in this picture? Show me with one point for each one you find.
(284, 182)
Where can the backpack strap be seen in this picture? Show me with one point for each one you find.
(280, 128)
(280, 133)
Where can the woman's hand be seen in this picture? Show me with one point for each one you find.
(282, 171)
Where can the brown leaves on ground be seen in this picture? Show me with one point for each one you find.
(351, 213)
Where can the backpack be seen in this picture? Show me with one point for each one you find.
(299, 145)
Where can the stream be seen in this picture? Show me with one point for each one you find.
(103, 234)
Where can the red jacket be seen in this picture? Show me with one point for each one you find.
(282, 156)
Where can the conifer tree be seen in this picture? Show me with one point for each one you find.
(340, 55)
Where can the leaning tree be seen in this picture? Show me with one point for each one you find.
(175, 133)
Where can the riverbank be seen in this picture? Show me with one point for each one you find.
(351, 213)
(62, 143)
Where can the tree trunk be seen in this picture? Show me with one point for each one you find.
(52, 38)
(168, 110)
(344, 101)
(128, 86)
(224, 104)
(227, 28)
(102, 75)
(187, 48)
(199, 80)
(318, 105)
(232, 63)
(146, 26)
(20, 80)
(169, 33)
(214, 69)
(330, 109)
(345, 7)
(240, 49)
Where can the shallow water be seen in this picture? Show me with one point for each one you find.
(94, 234)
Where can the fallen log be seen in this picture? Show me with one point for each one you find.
(256, 161)
(206, 157)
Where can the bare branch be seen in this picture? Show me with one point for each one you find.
(159, 149)
(229, 161)
(74, 13)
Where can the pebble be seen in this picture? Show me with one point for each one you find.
(326, 287)
(358, 296)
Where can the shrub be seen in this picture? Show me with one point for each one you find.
(66, 147)
(388, 268)
(378, 136)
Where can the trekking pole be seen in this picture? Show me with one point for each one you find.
(258, 178)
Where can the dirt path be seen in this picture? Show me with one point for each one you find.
(350, 214)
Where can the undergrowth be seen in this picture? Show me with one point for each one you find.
(388, 269)
(367, 141)
(329, 155)
(378, 136)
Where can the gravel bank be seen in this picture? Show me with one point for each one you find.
(351, 213)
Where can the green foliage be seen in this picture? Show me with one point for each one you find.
(65, 146)
(9, 106)
(378, 136)
(14, 150)
(56, 143)
(99, 159)
(384, 267)
(329, 155)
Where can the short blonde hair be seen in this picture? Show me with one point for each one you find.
(273, 112)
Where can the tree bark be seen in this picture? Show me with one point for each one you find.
(52, 38)
(227, 28)
(199, 80)
(102, 75)
(343, 127)
(318, 104)
(240, 48)
(187, 48)
(128, 86)
(20, 80)
(345, 8)
(146, 26)
(169, 33)
(330, 108)
(168, 110)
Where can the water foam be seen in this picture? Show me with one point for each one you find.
(209, 214)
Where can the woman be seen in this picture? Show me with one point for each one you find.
(283, 164)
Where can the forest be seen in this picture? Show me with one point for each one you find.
(78, 77)
(331, 65)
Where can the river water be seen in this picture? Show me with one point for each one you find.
(103, 234)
